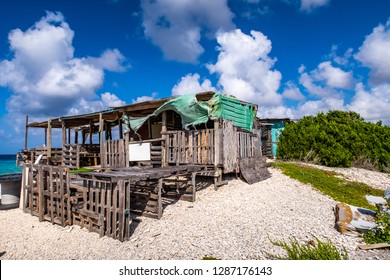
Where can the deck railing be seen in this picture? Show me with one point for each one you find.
(220, 147)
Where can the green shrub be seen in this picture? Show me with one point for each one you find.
(380, 234)
(311, 251)
(338, 139)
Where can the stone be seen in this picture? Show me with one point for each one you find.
(374, 200)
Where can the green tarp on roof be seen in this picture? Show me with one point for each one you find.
(231, 108)
(195, 112)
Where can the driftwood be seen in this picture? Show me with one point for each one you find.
(374, 246)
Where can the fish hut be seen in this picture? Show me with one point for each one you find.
(138, 154)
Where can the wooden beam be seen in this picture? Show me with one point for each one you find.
(76, 136)
(26, 133)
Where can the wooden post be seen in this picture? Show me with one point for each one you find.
(164, 161)
(216, 144)
(63, 135)
(49, 138)
(193, 186)
(101, 130)
(159, 199)
(45, 136)
(76, 136)
(68, 135)
(127, 150)
(26, 133)
(120, 129)
(106, 132)
(149, 129)
(90, 132)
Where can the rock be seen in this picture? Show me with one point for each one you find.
(343, 213)
(374, 200)
(387, 193)
(350, 218)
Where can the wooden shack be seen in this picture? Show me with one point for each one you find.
(139, 153)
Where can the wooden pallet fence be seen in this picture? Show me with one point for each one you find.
(45, 192)
(113, 153)
(191, 147)
(246, 148)
(56, 154)
(104, 207)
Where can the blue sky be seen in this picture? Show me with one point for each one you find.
(291, 57)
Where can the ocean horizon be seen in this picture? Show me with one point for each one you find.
(8, 164)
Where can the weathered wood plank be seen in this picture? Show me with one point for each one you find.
(159, 186)
(374, 246)
(121, 212)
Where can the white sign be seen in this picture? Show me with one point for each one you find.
(139, 151)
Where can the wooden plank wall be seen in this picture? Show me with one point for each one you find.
(45, 191)
(113, 153)
(191, 147)
(237, 145)
(230, 148)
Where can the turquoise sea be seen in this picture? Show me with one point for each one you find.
(8, 165)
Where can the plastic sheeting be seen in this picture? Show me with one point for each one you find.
(195, 112)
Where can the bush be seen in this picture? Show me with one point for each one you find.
(380, 234)
(337, 139)
(312, 251)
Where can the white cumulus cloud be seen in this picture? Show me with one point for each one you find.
(177, 26)
(43, 74)
(372, 104)
(244, 67)
(292, 92)
(375, 53)
(333, 76)
(325, 80)
(191, 84)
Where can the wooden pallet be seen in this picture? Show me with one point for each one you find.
(45, 192)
